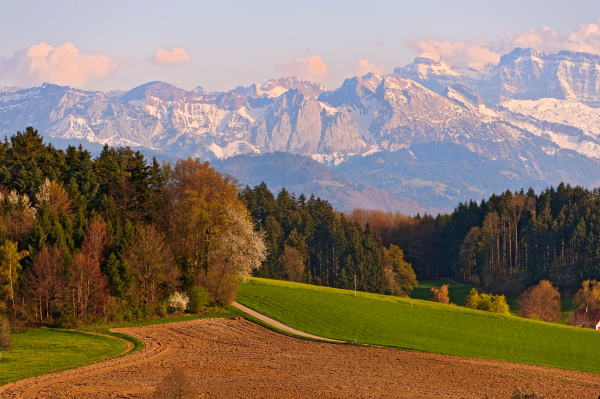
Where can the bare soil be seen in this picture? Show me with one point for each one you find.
(239, 359)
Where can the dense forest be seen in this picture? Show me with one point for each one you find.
(87, 238)
(309, 241)
(505, 243)
(115, 236)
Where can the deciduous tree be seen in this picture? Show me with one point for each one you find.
(400, 274)
(293, 263)
(235, 253)
(46, 283)
(10, 266)
(89, 286)
(542, 301)
(149, 260)
(441, 294)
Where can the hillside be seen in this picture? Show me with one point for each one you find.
(299, 174)
(422, 325)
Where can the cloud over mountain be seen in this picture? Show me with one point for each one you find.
(313, 67)
(64, 64)
(479, 52)
(364, 66)
(173, 56)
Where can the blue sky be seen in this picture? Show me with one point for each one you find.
(227, 43)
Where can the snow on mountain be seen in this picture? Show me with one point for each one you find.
(569, 124)
(527, 74)
(568, 113)
(531, 118)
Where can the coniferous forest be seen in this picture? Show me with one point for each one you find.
(505, 243)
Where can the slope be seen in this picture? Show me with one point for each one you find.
(422, 325)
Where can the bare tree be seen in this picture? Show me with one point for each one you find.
(152, 268)
(89, 286)
(46, 283)
(542, 301)
(54, 196)
(293, 263)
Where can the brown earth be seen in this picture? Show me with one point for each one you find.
(238, 359)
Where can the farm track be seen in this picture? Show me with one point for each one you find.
(234, 358)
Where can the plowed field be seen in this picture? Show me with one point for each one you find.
(227, 358)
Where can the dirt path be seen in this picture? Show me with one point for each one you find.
(238, 359)
(279, 325)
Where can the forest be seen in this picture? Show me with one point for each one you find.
(117, 237)
(505, 243)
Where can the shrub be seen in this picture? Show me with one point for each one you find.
(441, 294)
(178, 302)
(4, 333)
(222, 286)
(176, 385)
(542, 301)
(199, 298)
(487, 302)
(526, 394)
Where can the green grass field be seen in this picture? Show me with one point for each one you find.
(44, 350)
(422, 325)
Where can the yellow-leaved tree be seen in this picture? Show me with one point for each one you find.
(10, 265)
(210, 229)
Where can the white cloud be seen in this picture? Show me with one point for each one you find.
(477, 53)
(173, 56)
(64, 65)
(312, 68)
(364, 66)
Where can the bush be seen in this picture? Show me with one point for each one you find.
(4, 334)
(199, 298)
(542, 301)
(222, 286)
(178, 302)
(441, 294)
(176, 385)
(526, 394)
(487, 302)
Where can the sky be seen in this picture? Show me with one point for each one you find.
(106, 45)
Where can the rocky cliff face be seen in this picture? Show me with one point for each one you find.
(526, 74)
(531, 118)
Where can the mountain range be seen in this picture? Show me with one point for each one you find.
(418, 140)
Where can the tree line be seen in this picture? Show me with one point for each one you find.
(506, 243)
(309, 241)
(116, 236)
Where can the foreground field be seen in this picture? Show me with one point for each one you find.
(234, 358)
(46, 350)
(422, 325)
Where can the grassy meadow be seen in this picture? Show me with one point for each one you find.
(422, 325)
(44, 350)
